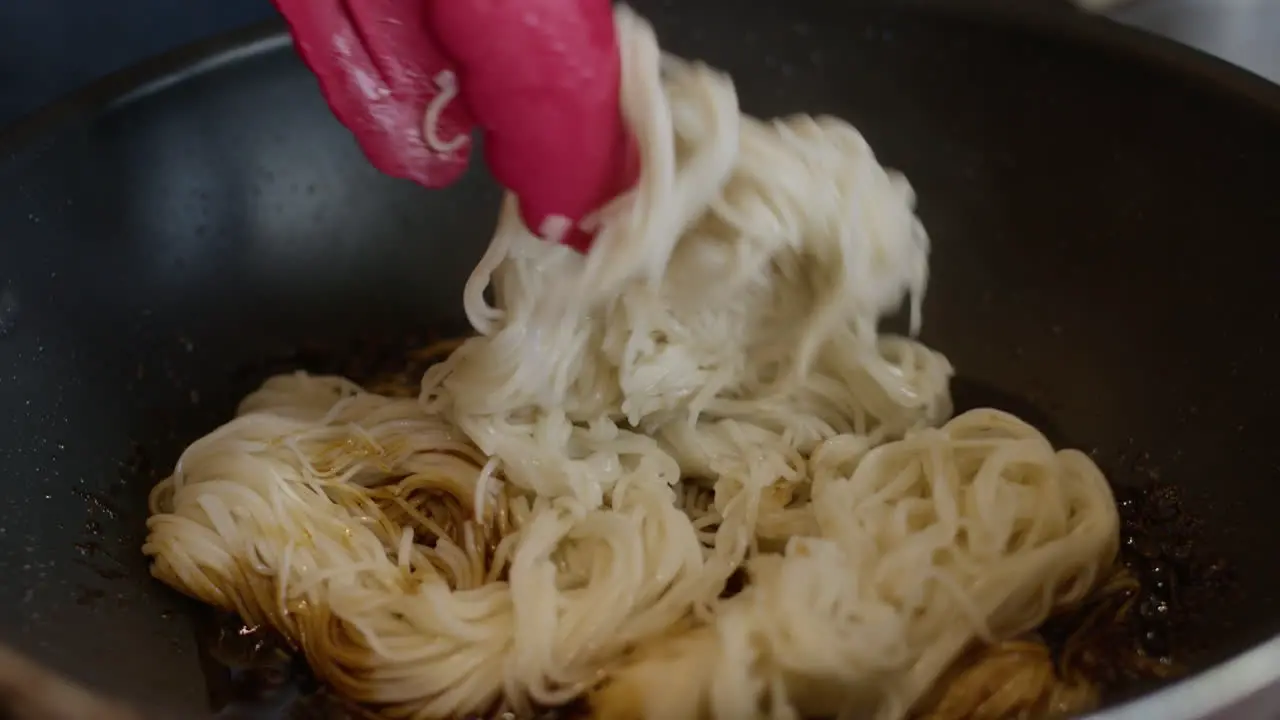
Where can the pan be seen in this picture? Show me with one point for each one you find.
(1102, 208)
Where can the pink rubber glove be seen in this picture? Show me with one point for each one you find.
(377, 68)
(540, 77)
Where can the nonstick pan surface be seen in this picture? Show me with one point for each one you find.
(1102, 207)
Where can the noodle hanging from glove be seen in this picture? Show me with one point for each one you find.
(562, 509)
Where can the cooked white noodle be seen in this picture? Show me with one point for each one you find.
(561, 508)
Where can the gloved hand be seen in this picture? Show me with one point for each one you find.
(539, 77)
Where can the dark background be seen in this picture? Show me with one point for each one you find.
(51, 47)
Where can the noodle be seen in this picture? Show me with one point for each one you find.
(562, 509)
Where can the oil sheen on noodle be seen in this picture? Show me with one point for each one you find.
(557, 513)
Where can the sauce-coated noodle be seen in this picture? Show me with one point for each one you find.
(560, 510)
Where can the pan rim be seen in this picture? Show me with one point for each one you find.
(1212, 694)
(1087, 30)
(134, 82)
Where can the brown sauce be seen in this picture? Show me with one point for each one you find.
(1149, 633)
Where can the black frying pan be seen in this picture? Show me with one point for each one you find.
(1103, 212)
